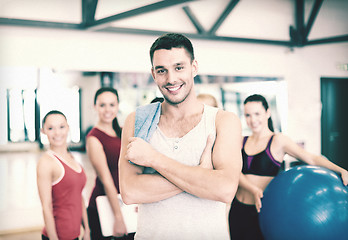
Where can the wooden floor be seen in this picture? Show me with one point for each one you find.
(22, 236)
(20, 208)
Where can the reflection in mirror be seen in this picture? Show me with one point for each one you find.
(72, 92)
(232, 91)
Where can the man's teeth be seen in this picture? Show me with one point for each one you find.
(173, 88)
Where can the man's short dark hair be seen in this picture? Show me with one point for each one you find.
(172, 40)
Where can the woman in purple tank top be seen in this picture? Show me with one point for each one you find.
(263, 152)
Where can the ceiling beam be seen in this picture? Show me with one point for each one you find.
(299, 19)
(104, 22)
(71, 26)
(223, 16)
(196, 36)
(336, 39)
(194, 19)
(312, 17)
(298, 35)
(39, 24)
(88, 11)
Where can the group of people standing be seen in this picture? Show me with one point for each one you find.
(181, 160)
(61, 179)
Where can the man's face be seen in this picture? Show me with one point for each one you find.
(173, 73)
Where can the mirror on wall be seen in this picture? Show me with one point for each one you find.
(231, 91)
(72, 92)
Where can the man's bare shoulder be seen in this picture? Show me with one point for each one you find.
(128, 127)
(225, 117)
(228, 123)
(130, 120)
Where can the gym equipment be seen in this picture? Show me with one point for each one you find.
(305, 202)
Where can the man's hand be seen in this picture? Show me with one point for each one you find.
(206, 160)
(140, 152)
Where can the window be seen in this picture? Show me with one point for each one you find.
(66, 100)
(21, 119)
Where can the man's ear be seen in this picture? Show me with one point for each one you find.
(153, 73)
(194, 68)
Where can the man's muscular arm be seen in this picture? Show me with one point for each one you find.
(136, 187)
(218, 184)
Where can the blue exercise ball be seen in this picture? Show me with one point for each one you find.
(305, 202)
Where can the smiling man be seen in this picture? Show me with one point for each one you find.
(194, 150)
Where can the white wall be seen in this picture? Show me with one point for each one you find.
(91, 51)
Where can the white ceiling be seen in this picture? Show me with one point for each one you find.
(250, 19)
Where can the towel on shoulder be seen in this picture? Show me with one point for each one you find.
(146, 120)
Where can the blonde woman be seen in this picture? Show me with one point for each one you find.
(207, 99)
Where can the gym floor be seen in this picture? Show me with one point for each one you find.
(20, 207)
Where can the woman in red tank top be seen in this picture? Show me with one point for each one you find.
(103, 147)
(60, 181)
